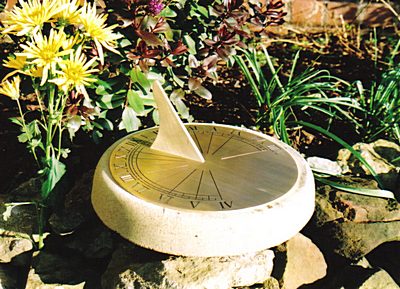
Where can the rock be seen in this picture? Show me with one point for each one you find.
(35, 282)
(94, 241)
(379, 280)
(77, 207)
(356, 224)
(8, 277)
(271, 283)
(134, 267)
(12, 245)
(17, 212)
(324, 166)
(379, 155)
(305, 263)
(62, 268)
(386, 256)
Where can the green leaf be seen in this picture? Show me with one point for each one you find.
(176, 79)
(155, 116)
(16, 120)
(135, 101)
(105, 123)
(52, 175)
(139, 77)
(124, 42)
(100, 90)
(191, 45)
(130, 121)
(168, 13)
(73, 125)
(103, 83)
(23, 137)
(203, 92)
(109, 101)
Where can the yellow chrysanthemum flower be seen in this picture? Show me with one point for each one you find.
(18, 63)
(35, 71)
(30, 16)
(70, 42)
(45, 51)
(75, 72)
(70, 13)
(94, 27)
(11, 88)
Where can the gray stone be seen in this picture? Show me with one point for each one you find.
(305, 263)
(325, 166)
(380, 156)
(133, 267)
(13, 244)
(356, 224)
(379, 280)
(17, 212)
(35, 282)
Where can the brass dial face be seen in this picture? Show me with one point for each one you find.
(242, 169)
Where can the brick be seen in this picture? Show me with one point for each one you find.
(306, 12)
(375, 14)
(336, 11)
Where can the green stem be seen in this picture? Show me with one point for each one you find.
(41, 211)
(26, 130)
(49, 133)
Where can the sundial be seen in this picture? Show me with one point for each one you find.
(202, 189)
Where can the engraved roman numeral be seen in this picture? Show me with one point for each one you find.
(273, 148)
(122, 148)
(120, 156)
(120, 166)
(126, 178)
(165, 198)
(194, 204)
(225, 204)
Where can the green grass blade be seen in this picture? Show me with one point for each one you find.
(361, 191)
(239, 60)
(344, 144)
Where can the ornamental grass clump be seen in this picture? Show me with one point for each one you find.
(59, 46)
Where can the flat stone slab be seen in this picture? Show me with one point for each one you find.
(134, 267)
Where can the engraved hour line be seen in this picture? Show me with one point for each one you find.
(166, 169)
(241, 155)
(197, 141)
(222, 145)
(209, 143)
(184, 179)
(198, 187)
(215, 184)
(159, 157)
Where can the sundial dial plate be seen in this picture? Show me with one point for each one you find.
(242, 169)
(202, 189)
